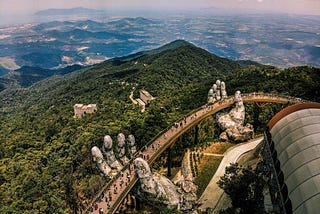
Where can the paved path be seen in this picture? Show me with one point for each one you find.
(212, 154)
(213, 193)
(132, 99)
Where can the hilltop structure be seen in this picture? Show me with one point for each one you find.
(145, 96)
(144, 99)
(81, 109)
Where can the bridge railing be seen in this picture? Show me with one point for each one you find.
(290, 99)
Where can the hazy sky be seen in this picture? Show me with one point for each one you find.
(288, 6)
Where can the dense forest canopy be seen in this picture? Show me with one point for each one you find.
(45, 153)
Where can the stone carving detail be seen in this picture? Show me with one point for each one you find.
(217, 92)
(132, 149)
(235, 117)
(223, 90)
(232, 123)
(98, 157)
(121, 149)
(211, 96)
(160, 191)
(240, 133)
(109, 162)
(186, 184)
(109, 154)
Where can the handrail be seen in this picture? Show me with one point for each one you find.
(221, 104)
(123, 194)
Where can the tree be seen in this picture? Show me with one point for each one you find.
(244, 187)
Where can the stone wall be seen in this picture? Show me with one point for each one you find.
(81, 109)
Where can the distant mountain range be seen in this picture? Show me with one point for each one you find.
(282, 41)
(26, 76)
(175, 63)
(71, 11)
(3, 71)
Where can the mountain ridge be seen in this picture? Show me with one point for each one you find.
(160, 70)
(169, 46)
(165, 64)
(28, 75)
(45, 153)
(69, 11)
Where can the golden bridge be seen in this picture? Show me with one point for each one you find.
(126, 179)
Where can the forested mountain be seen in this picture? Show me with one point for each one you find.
(45, 157)
(26, 76)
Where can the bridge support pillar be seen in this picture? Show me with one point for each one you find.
(169, 161)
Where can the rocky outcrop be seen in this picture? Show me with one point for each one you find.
(232, 123)
(162, 192)
(240, 133)
(186, 167)
(186, 184)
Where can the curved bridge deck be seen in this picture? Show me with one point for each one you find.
(125, 180)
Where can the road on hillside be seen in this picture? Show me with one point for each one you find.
(212, 194)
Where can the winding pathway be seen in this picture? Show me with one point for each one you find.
(213, 193)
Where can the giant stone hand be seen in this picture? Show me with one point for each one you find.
(159, 190)
(98, 157)
(232, 123)
(109, 154)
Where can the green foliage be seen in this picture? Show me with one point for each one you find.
(207, 211)
(170, 211)
(244, 187)
(45, 157)
(303, 81)
(260, 116)
(207, 171)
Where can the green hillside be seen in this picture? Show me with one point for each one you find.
(45, 158)
(26, 76)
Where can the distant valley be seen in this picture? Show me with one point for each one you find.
(280, 40)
